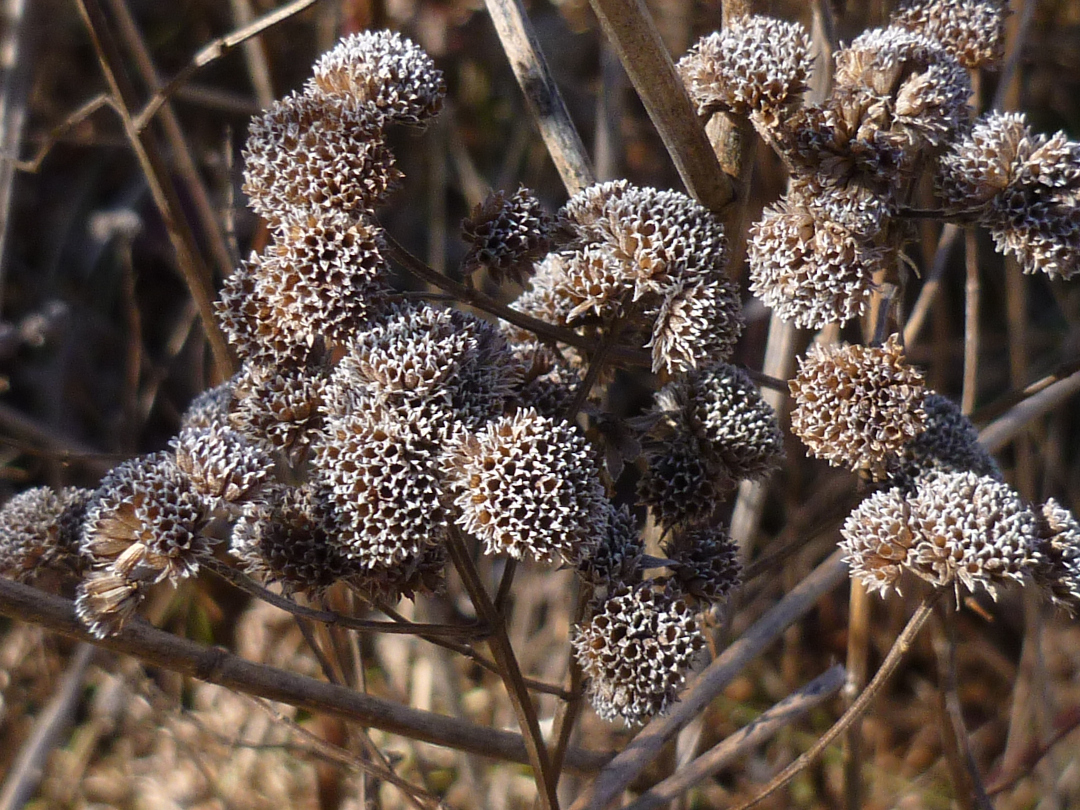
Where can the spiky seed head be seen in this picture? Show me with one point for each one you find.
(704, 562)
(616, 560)
(421, 573)
(311, 151)
(1056, 558)
(971, 30)
(528, 486)
(387, 73)
(682, 484)
(220, 463)
(811, 272)
(877, 540)
(949, 443)
(697, 323)
(210, 408)
(507, 235)
(281, 406)
(857, 406)
(382, 484)
(285, 536)
(636, 649)
(39, 530)
(756, 65)
(971, 531)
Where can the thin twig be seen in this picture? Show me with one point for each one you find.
(788, 711)
(999, 432)
(542, 95)
(644, 748)
(888, 666)
(215, 665)
(629, 27)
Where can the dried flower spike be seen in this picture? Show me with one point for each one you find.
(856, 406)
(635, 650)
(385, 72)
(506, 236)
(39, 530)
(971, 30)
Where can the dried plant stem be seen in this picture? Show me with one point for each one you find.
(646, 746)
(1003, 429)
(215, 665)
(503, 653)
(972, 294)
(788, 711)
(858, 653)
(541, 93)
(567, 715)
(189, 259)
(862, 703)
(630, 29)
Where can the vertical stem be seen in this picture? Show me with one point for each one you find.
(857, 667)
(971, 323)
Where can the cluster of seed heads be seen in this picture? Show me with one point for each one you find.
(365, 432)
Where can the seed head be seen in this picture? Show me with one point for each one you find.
(950, 443)
(507, 235)
(281, 406)
(210, 408)
(616, 559)
(39, 530)
(528, 486)
(635, 650)
(220, 463)
(756, 65)
(705, 563)
(422, 573)
(388, 74)
(1056, 564)
(971, 30)
(696, 324)
(106, 600)
(683, 485)
(877, 540)
(856, 406)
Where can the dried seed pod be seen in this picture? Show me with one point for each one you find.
(704, 562)
(282, 406)
(616, 559)
(106, 600)
(220, 463)
(811, 272)
(877, 540)
(39, 530)
(1023, 187)
(683, 484)
(507, 236)
(210, 408)
(697, 323)
(856, 406)
(1056, 555)
(286, 536)
(950, 443)
(527, 486)
(971, 30)
(380, 479)
(384, 71)
(756, 65)
(636, 650)
(971, 531)
(422, 573)
(313, 151)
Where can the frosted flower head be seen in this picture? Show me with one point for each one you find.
(1056, 565)
(635, 651)
(382, 485)
(280, 406)
(616, 559)
(310, 151)
(39, 530)
(811, 272)
(877, 540)
(220, 463)
(949, 443)
(386, 73)
(757, 64)
(528, 486)
(507, 234)
(971, 30)
(285, 536)
(704, 562)
(856, 406)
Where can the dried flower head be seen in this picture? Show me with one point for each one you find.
(384, 71)
(421, 573)
(757, 64)
(221, 463)
(697, 323)
(528, 486)
(1023, 187)
(636, 650)
(616, 560)
(106, 600)
(39, 530)
(281, 406)
(950, 443)
(1056, 565)
(683, 484)
(380, 479)
(210, 408)
(506, 236)
(549, 383)
(144, 521)
(877, 540)
(971, 531)
(313, 151)
(856, 406)
(971, 30)
(285, 536)
(810, 271)
(704, 562)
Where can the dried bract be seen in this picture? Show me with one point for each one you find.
(506, 236)
(971, 30)
(856, 406)
(39, 530)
